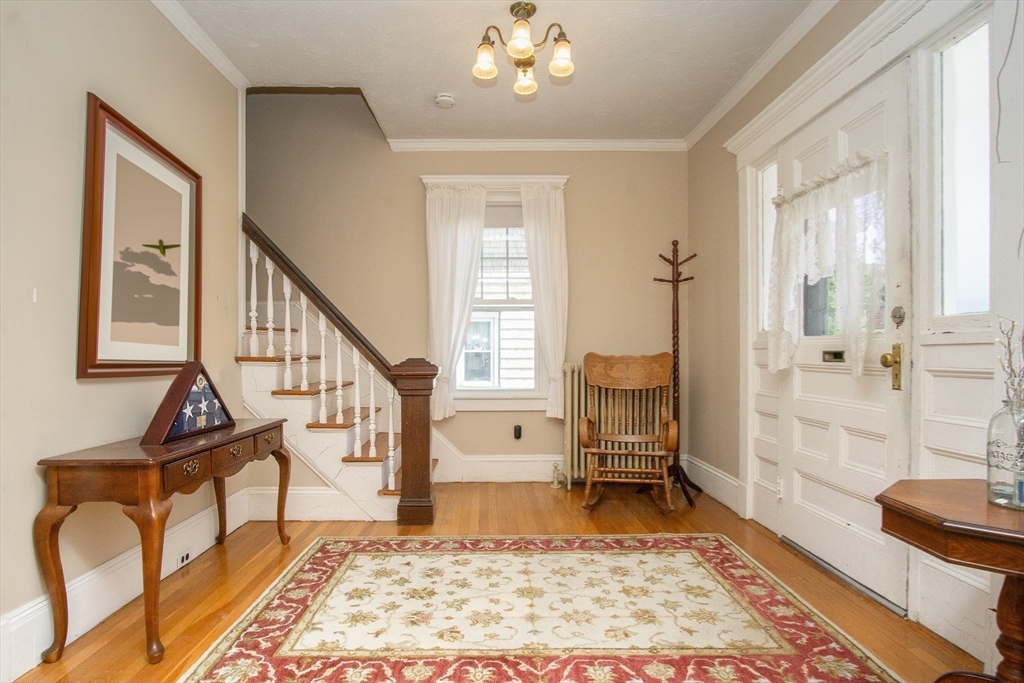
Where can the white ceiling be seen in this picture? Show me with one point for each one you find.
(645, 69)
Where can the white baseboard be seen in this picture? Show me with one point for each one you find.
(28, 630)
(453, 466)
(723, 487)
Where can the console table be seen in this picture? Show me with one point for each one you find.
(142, 479)
(952, 520)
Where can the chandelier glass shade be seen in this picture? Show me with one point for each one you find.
(521, 48)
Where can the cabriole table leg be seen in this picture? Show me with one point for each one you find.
(46, 535)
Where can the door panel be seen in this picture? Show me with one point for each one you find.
(840, 439)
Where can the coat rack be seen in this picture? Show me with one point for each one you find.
(676, 470)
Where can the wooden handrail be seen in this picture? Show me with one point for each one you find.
(316, 297)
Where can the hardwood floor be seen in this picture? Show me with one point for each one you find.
(202, 600)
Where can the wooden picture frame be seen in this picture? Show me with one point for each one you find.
(176, 417)
(140, 299)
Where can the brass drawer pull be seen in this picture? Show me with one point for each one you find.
(268, 438)
(236, 451)
(191, 468)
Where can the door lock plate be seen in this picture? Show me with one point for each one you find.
(894, 360)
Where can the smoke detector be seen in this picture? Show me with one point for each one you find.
(444, 100)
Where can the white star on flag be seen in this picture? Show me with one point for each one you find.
(188, 409)
(202, 406)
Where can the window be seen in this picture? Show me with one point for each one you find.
(767, 188)
(499, 353)
(964, 167)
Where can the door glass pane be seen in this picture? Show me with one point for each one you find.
(820, 296)
(820, 308)
(965, 175)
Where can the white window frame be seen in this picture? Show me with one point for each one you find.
(503, 191)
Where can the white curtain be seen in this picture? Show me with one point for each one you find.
(455, 231)
(832, 226)
(544, 228)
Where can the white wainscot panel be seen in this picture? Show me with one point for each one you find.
(864, 452)
(812, 438)
(767, 427)
(837, 386)
(767, 382)
(767, 473)
(863, 133)
(811, 162)
(945, 463)
(844, 508)
(958, 396)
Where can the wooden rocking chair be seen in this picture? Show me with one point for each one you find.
(627, 435)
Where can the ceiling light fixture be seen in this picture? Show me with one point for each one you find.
(521, 48)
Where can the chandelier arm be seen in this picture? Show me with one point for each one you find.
(547, 34)
(501, 39)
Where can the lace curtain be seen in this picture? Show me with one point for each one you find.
(832, 226)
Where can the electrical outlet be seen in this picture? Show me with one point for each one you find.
(184, 558)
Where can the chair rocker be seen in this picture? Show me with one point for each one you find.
(627, 435)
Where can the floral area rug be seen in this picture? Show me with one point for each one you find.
(615, 609)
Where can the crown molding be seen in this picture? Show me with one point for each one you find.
(188, 27)
(889, 32)
(782, 45)
(535, 145)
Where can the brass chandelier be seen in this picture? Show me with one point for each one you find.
(521, 48)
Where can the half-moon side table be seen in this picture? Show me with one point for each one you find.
(952, 520)
(142, 479)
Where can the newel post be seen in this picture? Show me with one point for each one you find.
(414, 380)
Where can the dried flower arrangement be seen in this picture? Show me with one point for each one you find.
(1012, 360)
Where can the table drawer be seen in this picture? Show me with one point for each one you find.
(232, 454)
(186, 471)
(268, 441)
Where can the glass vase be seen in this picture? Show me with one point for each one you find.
(1006, 456)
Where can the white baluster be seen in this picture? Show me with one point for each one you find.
(339, 376)
(391, 437)
(323, 369)
(356, 404)
(254, 341)
(303, 341)
(371, 373)
(270, 308)
(287, 333)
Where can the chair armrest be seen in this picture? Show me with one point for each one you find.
(669, 435)
(588, 433)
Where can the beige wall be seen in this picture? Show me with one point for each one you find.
(51, 54)
(714, 234)
(323, 182)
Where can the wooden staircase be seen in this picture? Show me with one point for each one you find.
(344, 402)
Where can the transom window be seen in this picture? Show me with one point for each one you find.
(499, 353)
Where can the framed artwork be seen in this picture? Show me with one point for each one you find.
(191, 406)
(139, 311)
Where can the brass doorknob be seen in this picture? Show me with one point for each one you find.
(887, 360)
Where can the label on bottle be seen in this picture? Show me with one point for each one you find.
(1018, 489)
(1005, 456)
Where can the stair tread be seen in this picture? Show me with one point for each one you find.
(397, 491)
(347, 419)
(314, 389)
(382, 450)
(270, 359)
